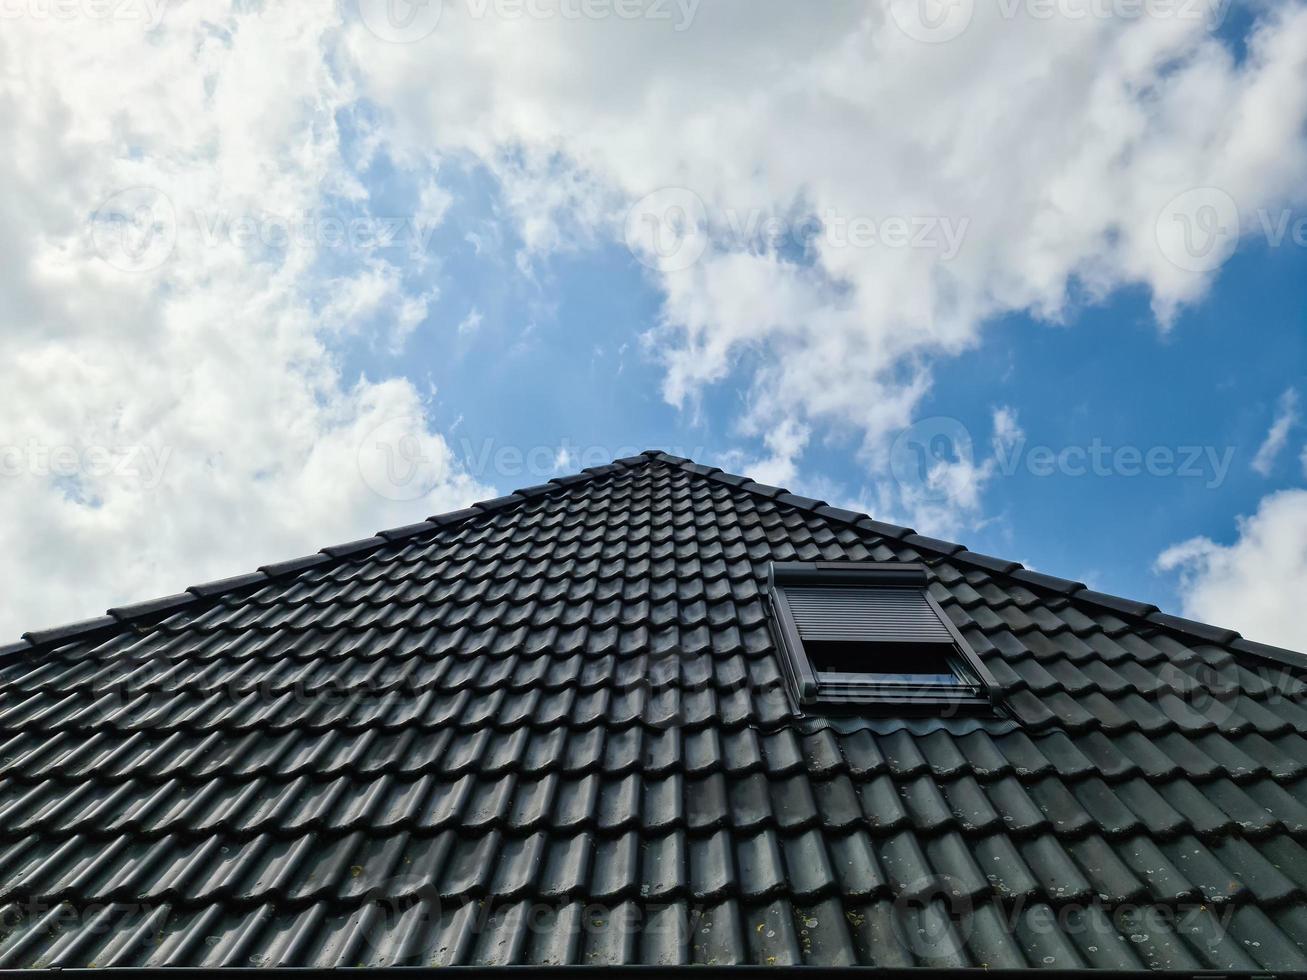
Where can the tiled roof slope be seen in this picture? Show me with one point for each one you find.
(551, 730)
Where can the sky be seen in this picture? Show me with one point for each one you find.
(1030, 275)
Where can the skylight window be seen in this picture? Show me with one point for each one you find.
(867, 633)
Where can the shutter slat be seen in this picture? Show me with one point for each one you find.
(885, 615)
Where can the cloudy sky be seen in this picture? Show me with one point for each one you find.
(1029, 274)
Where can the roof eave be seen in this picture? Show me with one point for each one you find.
(635, 972)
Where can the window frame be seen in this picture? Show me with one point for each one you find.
(976, 689)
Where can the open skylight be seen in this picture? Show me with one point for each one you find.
(866, 633)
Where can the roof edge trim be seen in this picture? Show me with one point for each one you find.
(1144, 613)
(208, 592)
(788, 972)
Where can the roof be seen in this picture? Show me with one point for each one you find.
(551, 729)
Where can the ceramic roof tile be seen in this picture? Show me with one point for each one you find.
(568, 702)
(1055, 870)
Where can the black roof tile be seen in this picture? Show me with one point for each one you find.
(60, 634)
(153, 607)
(1113, 881)
(455, 517)
(1000, 565)
(569, 699)
(1212, 634)
(1049, 583)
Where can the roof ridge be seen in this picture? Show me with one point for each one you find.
(1078, 592)
(203, 595)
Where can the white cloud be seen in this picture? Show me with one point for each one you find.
(471, 323)
(434, 203)
(785, 444)
(1007, 428)
(205, 348)
(1256, 584)
(1050, 146)
(1286, 419)
(940, 474)
(1055, 145)
(948, 499)
(374, 299)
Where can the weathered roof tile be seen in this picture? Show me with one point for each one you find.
(570, 696)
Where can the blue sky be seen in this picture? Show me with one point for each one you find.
(1210, 381)
(558, 362)
(889, 260)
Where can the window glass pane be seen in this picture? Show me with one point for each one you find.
(892, 680)
(876, 660)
